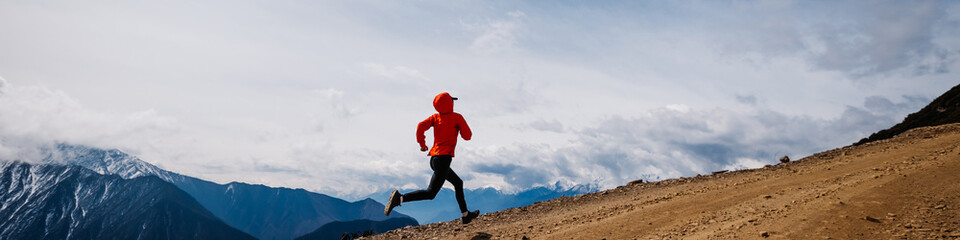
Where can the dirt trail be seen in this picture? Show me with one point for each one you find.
(907, 187)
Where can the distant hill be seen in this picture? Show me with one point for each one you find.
(69, 202)
(444, 206)
(334, 230)
(942, 110)
(262, 211)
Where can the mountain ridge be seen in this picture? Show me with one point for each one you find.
(487, 199)
(48, 201)
(263, 211)
(944, 109)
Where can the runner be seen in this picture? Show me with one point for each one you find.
(446, 126)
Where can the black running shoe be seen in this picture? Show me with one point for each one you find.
(393, 202)
(469, 216)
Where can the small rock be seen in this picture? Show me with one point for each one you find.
(765, 234)
(785, 159)
(869, 218)
(767, 196)
(891, 214)
(941, 206)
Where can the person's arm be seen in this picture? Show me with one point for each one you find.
(465, 132)
(421, 128)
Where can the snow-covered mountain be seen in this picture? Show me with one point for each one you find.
(106, 162)
(48, 201)
(262, 211)
(444, 206)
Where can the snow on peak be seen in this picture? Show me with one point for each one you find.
(106, 162)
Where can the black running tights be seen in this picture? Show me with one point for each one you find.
(441, 172)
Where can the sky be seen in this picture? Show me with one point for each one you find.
(326, 95)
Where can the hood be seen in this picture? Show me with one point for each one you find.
(443, 103)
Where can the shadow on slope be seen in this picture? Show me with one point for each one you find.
(336, 230)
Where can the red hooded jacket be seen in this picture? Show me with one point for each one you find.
(446, 125)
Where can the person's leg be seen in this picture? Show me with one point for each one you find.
(458, 187)
(440, 166)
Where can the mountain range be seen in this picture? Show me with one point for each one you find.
(263, 212)
(444, 206)
(49, 201)
(257, 211)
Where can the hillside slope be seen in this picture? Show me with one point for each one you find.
(905, 186)
(942, 110)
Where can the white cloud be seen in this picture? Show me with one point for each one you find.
(745, 163)
(666, 143)
(334, 98)
(550, 126)
(860, 39)
(496, 36)
(34, 116)
(325, 96)
(395, 73)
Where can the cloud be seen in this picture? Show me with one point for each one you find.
(747, 99)
(745, 163)
(394, 73)
(671, 142)
(34, 117)
(324, 96)
(496, 36)
(859, 39)
(884, 105)
(549, 126)
(334, 98)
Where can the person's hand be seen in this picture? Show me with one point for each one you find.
(423, 149)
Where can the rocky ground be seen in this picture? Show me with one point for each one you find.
(907, 187)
